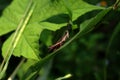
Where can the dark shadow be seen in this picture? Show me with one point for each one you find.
(58, 19)
(4, 4)
(3, 38)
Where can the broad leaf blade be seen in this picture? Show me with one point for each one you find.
(28, 45)
(45, 9)
(79, 7)
(11, 16)
(86, 27)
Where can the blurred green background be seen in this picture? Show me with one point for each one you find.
(90, 57)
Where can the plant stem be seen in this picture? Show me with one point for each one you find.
(17, 68)
(16, 37)
(115, 6)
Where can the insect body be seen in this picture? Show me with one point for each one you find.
(60, 42)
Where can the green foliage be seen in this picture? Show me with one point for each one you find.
(90, 24)
(37, 22)
(33, 23)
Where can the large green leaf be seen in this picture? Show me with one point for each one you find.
(79, 7)
(28, 45)
(44, 10)
(46, 15)
(85, 27)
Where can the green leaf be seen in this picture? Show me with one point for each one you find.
(79, 7)
(16, 37)
(86, 27)
(11, 16)
(28, 45)
(24, 46)
(44, 10)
